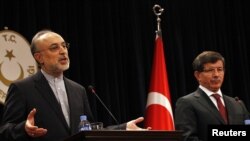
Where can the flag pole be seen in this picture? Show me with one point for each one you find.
(158, 11)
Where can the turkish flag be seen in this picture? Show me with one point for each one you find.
(159, 113)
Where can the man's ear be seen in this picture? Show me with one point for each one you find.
(197, 75)
(38, 57)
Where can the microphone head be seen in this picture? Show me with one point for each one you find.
(236, 98)
(91, 88)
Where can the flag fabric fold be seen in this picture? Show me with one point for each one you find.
(159, 113)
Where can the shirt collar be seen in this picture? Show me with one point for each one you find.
(208, 92)
(51, 78)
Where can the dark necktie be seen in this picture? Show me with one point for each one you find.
(221, 107)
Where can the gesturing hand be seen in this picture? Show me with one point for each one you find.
(30, 127)
(131, 125)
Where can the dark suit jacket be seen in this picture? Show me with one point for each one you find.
(194, 112)
(35, 92)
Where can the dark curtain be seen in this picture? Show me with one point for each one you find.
(112, 44)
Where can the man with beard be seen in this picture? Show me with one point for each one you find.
(47, 106)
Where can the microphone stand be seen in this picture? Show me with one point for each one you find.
(99, 99)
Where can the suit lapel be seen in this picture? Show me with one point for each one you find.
(206, 102)
(229, 108)
(47, 93)
(72, 106)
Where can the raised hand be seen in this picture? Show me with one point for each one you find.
(131, 125)
(30, 127)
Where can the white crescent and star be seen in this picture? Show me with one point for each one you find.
(159, 99)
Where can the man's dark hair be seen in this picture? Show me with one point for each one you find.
(207, 57)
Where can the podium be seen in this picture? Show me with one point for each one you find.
(123, 135)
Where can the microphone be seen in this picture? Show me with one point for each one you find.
(247, 117)
(237, 99)
(91, 88)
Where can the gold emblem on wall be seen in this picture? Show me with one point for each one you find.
(16, 60)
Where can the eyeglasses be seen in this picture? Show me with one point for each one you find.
(213, 70)
(56, 47)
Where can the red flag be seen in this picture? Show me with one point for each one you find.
(159, 113)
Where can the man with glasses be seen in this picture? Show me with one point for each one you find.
(47, 106)
(207, 105)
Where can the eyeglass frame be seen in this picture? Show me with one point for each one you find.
(212, 70)
(55, 47)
